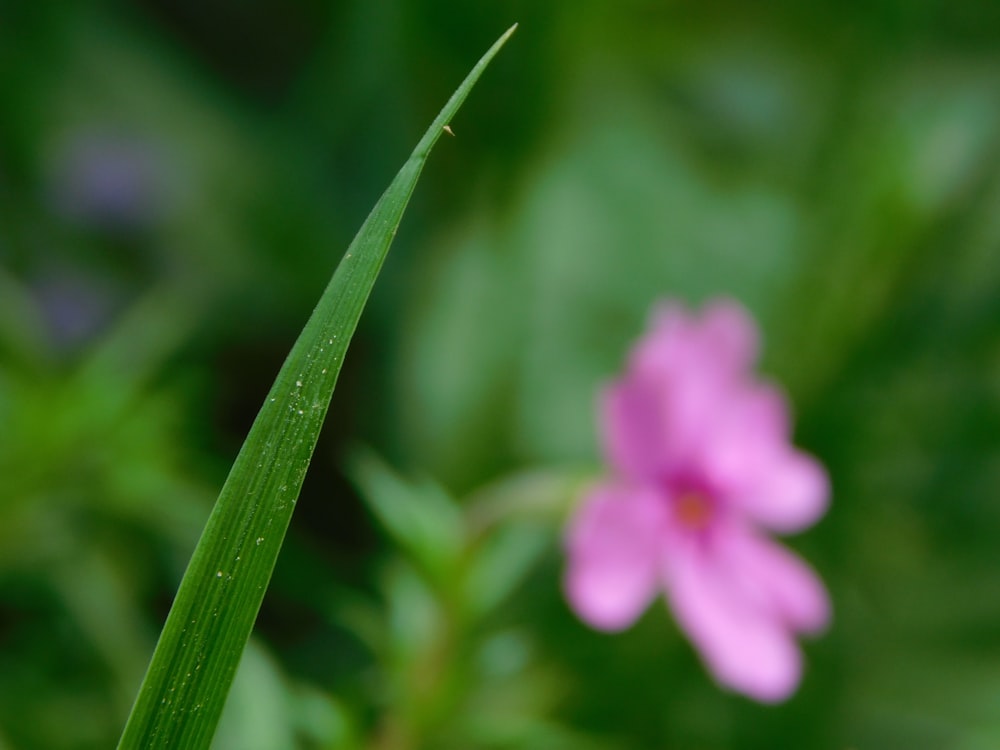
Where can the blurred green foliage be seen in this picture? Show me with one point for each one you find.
(177, 180)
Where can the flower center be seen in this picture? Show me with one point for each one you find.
(693, 510)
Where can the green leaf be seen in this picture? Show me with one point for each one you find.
(421, 518)
(501, 563)
(192, 668)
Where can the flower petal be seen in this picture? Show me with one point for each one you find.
(613, 546)
(784, 583)
(682, 375)
(789, 491)
(723, 339)
(749, 459)
(652, 429)
(745, 646)
(729, 333)
(752, 424)
(634, 429)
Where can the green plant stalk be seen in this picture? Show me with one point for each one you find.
(192, 668)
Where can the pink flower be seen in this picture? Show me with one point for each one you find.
(703, 466)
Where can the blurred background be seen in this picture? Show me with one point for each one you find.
(177, 183)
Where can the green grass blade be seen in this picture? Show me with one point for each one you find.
(192, 668)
